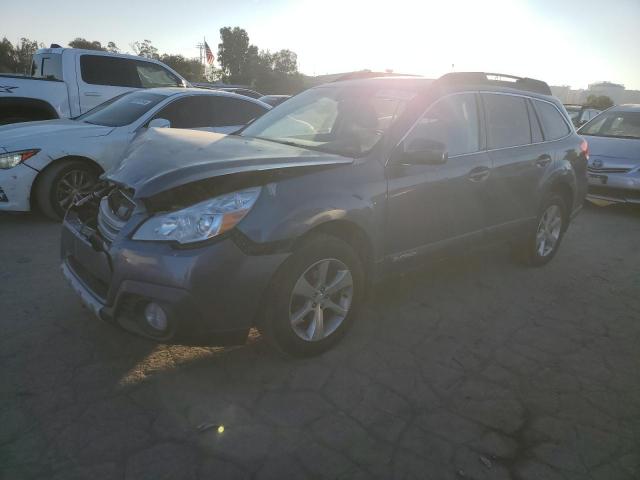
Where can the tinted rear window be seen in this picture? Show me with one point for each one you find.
(553, 124)
(47, 65)
(234, 111)
(507, 121)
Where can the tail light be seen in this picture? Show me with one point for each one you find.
(584, 149)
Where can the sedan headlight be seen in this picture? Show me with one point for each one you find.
(11, 159)
(201, 221)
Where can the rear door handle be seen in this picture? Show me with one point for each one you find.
(543, 160)
(479, 174)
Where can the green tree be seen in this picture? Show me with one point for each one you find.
(145, 49)
(85, 44)
(189, 68)
(23, 52)
(601, 102)
(235, 55)
(112, 47)
(8, 60)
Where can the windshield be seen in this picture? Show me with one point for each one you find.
(122, 110)
(614, 124)
(347, 120)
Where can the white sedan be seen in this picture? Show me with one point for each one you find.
(50, 163)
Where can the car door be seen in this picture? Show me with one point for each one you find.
(102, 78)
(432, 208)
(519, 159)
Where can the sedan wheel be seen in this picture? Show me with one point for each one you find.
(71, 186)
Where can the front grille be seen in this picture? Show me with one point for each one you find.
(115, 209)
(608, 170)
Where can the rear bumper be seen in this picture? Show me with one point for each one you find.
(206, 291)
(15, 188)
(619, 188)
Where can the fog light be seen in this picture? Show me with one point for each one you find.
(156, 317)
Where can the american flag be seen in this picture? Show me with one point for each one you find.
(209, 53)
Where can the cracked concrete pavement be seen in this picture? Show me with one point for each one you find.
(475, 368)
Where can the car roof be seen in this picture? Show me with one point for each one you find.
(171, 91)
(459, 81)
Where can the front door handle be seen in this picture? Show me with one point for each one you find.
(543, 160)
(92, 94)
(479, 174)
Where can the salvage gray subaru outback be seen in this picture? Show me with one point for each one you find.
(283, 225)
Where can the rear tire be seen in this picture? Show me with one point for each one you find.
(308, 312)
(542, 242)
(61, 184)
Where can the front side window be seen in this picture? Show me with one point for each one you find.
(452, 121)
(343, 119)
(113, 71)
(507, 121)
(614, 124)
(122, 110)
(553, 124)
(152, 75)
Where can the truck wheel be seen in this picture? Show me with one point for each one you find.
(542, 244)
(314, 297)
(63, 183)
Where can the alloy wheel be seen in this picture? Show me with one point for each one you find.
(549, 230)
(321, 299)
(71, 186)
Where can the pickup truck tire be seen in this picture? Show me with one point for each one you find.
(321, 283)
(60, 183)
(13, 112)
(541, 244)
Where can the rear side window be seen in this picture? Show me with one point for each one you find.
(507, 121)
(235, 111)
(189, 112)
(553, 124)
(103, 70)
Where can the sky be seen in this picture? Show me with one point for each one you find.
(564, 42)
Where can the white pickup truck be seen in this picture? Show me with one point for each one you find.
(67, 82)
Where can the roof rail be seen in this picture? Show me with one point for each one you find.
(497, 79)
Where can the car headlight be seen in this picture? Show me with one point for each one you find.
(201, 221)
(11, 159)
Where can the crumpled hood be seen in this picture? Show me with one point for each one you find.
(614, 152)
(162, 159)
(37, 134)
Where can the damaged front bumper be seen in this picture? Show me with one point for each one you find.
(205, 291)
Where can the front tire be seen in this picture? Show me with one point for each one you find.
(542, 243)
(62, 184)
(314, 297)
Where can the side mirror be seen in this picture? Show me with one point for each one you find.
(422, 151)
(159, 123)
